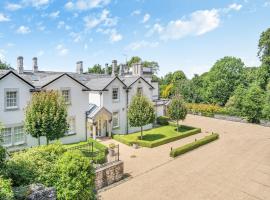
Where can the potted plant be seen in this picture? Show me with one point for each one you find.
(112, 149)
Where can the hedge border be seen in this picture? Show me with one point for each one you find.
(142, 143)
(193, 145)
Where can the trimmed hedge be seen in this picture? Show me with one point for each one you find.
(188, 147)
(143, 143)
(163, 120)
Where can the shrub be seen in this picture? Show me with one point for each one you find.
(2, 155)
(6, 192)
(163, 120)
(34, 165)
(205, 109)
(74, 177)
(188, 147)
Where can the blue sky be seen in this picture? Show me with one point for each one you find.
(188, 35)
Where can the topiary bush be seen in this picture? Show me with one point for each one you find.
(6, 192)
(163, 120)
(74, 177)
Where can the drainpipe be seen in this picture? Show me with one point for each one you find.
(86, 126)
(127, 110)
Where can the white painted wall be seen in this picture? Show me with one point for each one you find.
(79, 105)
(116, 106)
(94, 98)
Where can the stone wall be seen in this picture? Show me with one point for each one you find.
(109, 174)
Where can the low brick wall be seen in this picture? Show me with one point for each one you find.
(109, 174)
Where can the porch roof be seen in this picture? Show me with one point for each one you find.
(95, 110)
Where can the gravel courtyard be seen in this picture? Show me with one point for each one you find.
(235, 167)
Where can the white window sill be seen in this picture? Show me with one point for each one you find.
(11, 108)
(70, 134)
(19, 143)
(115, 100)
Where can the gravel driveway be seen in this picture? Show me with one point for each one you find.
(235, 167)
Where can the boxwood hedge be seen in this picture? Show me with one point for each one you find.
(193, 145)
(151, 144)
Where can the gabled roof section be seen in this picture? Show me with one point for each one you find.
(136, 79)
(95, 110)
(101, 84)
(51, 79)
(2, 76)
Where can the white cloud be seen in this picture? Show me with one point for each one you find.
(146, 17)
(4, 18)
(136, 12)
(54, 15)
(234, 6)
(23, 30)
(62, 24)
(13, 6)
(76, 37)
(141, 44)
(10, 44)
(36, 3)
(115, 36)
(198, 23)
(61, 50)
(86, 4)
(94, 21)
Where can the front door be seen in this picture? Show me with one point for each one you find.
(104, 128)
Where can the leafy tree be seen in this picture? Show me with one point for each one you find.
(264, 46)
(134, 60)
(96, 69)
(4, 65)
(253, 103)
(140, 112)
(75, 177)
(266, 107)
(167, 91)
(6, 192)
(223, 78)
(178, 76)
(177, 109)
(46, 115)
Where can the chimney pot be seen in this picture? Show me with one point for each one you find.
(20, 65)
(114, 66)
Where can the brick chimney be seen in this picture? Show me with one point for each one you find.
(20, 65)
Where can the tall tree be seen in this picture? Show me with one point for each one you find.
(96, 69)
(46, 115)
(266, 106)
(178, 76)
(177, 109)
(223, 78)
(140, 112)
(4, 65)
(134, 60)
(253, 103)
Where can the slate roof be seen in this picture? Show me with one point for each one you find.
(92, 81)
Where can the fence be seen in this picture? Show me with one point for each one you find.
(98, 155)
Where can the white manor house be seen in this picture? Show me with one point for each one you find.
(97, 103)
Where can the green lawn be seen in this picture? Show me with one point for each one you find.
(92, 149)
(157, 136)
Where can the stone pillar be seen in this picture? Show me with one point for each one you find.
(79, 67)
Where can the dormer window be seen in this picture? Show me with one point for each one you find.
(115, 94)
(11, 99)
(66, 95)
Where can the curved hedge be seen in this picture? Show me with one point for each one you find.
(193, 145)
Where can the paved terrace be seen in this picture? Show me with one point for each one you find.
(235, 167)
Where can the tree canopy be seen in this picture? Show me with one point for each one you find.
(96, 69)
(46, 115)
(140, 112)
(4, 65)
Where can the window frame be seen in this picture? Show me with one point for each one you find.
(13, 141)
(11, 108)
(118, 119)
(69, 95)
(118, 94)
(71, 132)
(140, 89)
